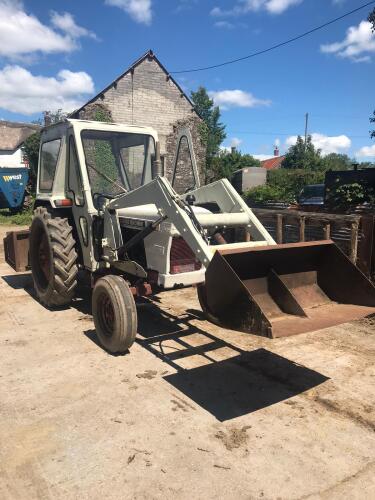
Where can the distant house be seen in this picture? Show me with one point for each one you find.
(12, 136)
(147, 95)
(274, 162)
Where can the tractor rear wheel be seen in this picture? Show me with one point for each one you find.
(115, 313)
(53, 258)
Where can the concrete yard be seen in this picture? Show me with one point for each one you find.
(194, 411)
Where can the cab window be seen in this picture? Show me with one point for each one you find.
(117, 161)
(74, 174)
(48, 161)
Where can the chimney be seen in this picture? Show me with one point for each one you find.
(276, 151)
(233, 149)
(47, 118)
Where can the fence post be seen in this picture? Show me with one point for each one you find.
(302, 225)
(327, 231)
(354, 241)
(279, 228)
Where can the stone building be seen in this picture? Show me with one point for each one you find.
(146, 95)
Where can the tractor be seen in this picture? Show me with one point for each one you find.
(104, 209)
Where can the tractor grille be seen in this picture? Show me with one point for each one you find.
(182, 258)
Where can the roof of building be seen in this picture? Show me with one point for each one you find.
(148, 55)
(13, 134)
(273, 163)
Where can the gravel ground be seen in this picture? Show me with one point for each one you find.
(194, 411)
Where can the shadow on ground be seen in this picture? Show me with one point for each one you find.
(243, 383)
(19, 281)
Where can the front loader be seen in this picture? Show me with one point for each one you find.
(104, 208)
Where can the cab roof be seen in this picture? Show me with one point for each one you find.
(80, 125)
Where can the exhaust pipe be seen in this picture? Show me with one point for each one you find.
(157, 167)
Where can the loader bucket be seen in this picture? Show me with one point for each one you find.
(283, 290)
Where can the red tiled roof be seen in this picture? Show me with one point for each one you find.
(272, 163)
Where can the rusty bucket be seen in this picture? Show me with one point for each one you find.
(283, 290)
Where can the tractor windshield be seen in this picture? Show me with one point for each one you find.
(117, 161)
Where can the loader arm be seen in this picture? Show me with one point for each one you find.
(169, 205)
(190, 226)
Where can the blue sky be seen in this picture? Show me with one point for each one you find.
(59, 53)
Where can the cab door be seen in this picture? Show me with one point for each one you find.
(82, 218)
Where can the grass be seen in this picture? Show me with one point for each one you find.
(21, 219)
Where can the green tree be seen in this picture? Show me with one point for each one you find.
(372, 120)
(30, 149)
(303, 156)
(212, 131)
(371, 19)
(366, 164)
(226, 163)
(284, 185)
(335, 161)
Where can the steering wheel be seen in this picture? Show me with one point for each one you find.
(96, 198)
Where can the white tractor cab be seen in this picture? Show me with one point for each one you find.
(83, 166)
(104, 207)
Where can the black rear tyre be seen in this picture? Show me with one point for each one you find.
(115, 314)
(53, 258)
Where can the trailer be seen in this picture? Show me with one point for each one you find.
(13, 183)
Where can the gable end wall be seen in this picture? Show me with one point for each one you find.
(146, 97)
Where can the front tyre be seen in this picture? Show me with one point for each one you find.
(53, 258)
(202, 297)
(115, 313)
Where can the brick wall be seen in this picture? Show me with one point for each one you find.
(145, 96)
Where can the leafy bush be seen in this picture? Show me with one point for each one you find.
(262, 194)
(284, 185)
(347, 195)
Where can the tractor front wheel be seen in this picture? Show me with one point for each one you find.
(202, 297)
(115, 313)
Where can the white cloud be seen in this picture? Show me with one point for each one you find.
(22, 34)
(359, 40)
(245, 6)
(184, 5)
(224, 24)
(236, 99)
(327, 144)
(25, 93)
(279, 6)
(235, 142)
(366, 152)
(139, 10)
(66, 23)
(262, 157)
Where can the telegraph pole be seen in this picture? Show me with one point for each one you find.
(306, 127)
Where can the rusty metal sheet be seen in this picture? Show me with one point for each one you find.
(16, 249)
